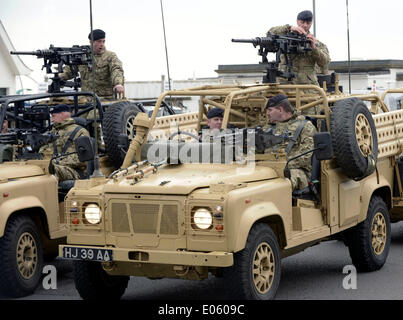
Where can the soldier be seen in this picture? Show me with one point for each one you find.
(285, 121)
(108, 70)
(214, 123)
(66, 131)
(305, 65)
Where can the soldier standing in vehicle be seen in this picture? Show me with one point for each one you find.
(306, 64)
(66, 132)
(286, 121)
(109, 75)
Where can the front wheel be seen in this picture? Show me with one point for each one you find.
(21, 257)
(93, 283)
(369, 242)
(256, 272)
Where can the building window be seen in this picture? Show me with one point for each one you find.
(3, 91)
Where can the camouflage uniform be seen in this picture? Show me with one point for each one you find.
(108, 73)
(65, 167)
(305, 65)
(300, 169)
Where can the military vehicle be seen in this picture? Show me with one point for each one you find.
(32, 222)
(185, 207)
(238, 217)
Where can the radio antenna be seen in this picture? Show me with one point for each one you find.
(97, 172)
(348, 46)
(166, 48)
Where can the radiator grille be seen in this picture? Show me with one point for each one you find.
(120, 220)
(169, 219)
(144, 217)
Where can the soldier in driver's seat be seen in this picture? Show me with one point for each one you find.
(214, 124)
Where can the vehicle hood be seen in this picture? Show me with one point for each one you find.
(18, 170)
(185, 178)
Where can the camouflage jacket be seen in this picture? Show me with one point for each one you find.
(303, 143)
(307, 64)
(108, 73)
(63, 131)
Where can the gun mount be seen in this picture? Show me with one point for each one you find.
(72, 57)
(289, 46)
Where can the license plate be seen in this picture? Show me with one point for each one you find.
(91, 254)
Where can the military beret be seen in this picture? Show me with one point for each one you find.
(60, 108)
(98, 34)
(305, 15)
(275, 101)
(215, 112)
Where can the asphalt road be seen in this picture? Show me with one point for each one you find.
(314, 274)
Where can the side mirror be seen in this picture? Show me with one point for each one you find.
(323, 146)
(85, 148)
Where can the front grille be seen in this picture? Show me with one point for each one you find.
(145, 218)
(120, 220)
(169, 219)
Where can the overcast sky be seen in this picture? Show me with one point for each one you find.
(198, 32)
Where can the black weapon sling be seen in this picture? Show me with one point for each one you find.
(295, 136)
(70, 139)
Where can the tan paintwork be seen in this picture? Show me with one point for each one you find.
(151, 245)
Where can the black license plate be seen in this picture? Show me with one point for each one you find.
(75, 253)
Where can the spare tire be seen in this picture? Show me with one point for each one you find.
(354, 138)
(118, 119)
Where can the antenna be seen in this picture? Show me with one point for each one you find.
(166, 48)
(314, 16)
(97, 173)
(348, 46)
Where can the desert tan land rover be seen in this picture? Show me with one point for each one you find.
(32, 222)
(162, 215)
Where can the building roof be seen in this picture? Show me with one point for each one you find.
(338, 66)
(365, 65)
(16, 64)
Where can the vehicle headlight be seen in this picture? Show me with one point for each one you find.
(93, 213)
(203, 218)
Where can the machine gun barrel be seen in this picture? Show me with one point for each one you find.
(28, 53)
(256, 41)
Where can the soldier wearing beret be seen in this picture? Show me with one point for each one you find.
(306, 65)
(108, 70)
(214, 123)
(66, 131)
(285, 121)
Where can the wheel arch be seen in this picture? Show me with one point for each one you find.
(273, 220)
(383, 189)
(36, 213)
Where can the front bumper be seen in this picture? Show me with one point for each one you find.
(186, 258)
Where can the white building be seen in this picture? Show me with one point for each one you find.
(153, 89)
(11, 66)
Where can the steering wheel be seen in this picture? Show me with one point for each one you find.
(184, 133)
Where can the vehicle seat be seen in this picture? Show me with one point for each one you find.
(81, 122)
(312, 192)
(65, 186)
